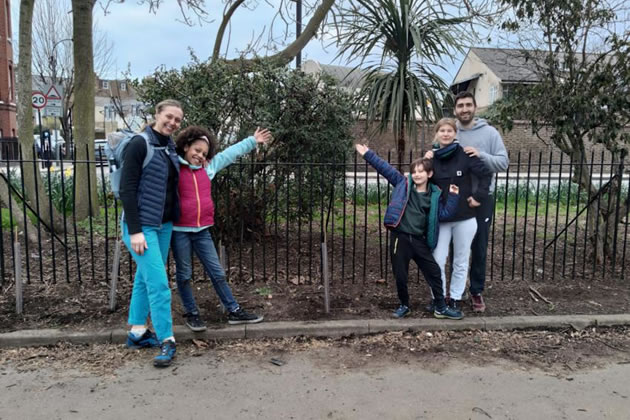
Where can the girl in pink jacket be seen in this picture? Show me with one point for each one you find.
(199, 161)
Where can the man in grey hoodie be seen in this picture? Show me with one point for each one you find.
(484, 141)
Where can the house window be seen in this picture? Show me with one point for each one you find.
(105, 84)
(123, 86)
(493, 94)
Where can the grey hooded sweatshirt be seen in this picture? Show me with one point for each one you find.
(488, 141)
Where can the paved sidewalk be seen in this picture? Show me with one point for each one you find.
(321, 328)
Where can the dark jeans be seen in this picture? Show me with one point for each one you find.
(201, 242)
(479, 247)
(404, 248)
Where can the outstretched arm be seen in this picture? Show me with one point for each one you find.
(229, 155)
(381, 166)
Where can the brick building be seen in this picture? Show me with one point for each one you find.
(520, 140)
(8, 123)
(490, 74)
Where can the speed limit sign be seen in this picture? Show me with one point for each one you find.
(38, 99)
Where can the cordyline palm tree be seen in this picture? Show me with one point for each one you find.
(403, 43)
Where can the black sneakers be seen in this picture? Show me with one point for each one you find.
(194, 322)
(241, 316)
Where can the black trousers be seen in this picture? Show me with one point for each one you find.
(479, 247)
(403, 249)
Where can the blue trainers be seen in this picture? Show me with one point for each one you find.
(148, 339)
(402, 311)
(448, 313)
(166, 355)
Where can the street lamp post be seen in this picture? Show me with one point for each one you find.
(298, 31)
(52, 62)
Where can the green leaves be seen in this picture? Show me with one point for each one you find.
(402, 43)
(308, 116)
(584, 73)
(310, 119)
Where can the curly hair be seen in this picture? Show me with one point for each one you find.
(194, 133)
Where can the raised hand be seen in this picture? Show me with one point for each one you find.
(453, 189)
(262, 136)
(361, 149)
(471, 151)
(429, 154)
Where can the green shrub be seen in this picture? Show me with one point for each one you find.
(310, 119)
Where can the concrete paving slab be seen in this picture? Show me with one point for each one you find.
(336, 328)
(47, 337)
(424, 324)
(312, 329)
(231, 332)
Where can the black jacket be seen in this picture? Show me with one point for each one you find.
(451, 165)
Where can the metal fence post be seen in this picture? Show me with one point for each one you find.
(18, 275)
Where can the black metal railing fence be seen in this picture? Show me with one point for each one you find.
(272, 218)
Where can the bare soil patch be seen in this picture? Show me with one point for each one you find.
(280, 277)
(560, 353)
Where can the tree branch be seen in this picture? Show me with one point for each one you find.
(224, 23)
(285, 56)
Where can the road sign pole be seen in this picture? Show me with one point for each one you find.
(41, 140)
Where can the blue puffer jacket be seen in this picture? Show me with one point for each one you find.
(440, 209)
(154, 181)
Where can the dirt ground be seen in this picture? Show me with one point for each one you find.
(85, 305)
(285, 283)
(559, 353)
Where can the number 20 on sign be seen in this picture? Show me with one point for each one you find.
(39, 100)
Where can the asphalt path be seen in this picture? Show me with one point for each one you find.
(315, 384)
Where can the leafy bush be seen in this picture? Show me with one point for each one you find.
(310, 119)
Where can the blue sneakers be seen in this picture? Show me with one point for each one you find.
(402, 311)
(148, 339)
(448, 313)
(166, 355)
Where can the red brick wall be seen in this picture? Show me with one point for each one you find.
(8, 123)
(519, 139)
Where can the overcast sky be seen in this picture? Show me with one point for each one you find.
(146, 41)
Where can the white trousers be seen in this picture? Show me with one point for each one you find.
(462, 233)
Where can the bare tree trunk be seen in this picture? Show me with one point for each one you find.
(597, 236)
(616, 210)
(85, 175)
(32, 187)
(400, 146)
(18, 218)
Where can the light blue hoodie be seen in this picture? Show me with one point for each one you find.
(488, 141)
